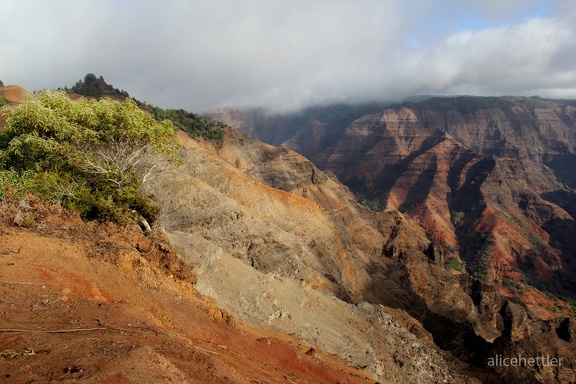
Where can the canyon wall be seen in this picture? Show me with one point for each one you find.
(284, 246)
(490, 179)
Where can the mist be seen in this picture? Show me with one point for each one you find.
(285, 55)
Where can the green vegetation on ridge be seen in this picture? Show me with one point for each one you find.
(195, 125)
(91, 156)
(191, 123)
(472, 104)
(96, 87)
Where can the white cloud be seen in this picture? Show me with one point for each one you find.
(197, 54)
(504, 60)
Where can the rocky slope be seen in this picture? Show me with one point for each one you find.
(491, 179)
(305, 259)
(313, 286)
(94, 303)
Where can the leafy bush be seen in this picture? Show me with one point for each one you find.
(91, 156)
(457, 217)
(455, 264)
(373, 203)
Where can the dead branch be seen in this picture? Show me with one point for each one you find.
(8, 251)
(101, 327)
(257, 380)
(205, 350)
(16, 330)
(16, 282)
(149, 251)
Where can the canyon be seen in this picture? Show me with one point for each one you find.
(490, 179)
(264, 267)
(286, 247)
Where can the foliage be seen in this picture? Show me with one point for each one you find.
(457, 217)
(91, 156)
(3, 102)
(339, 116)
(555, 294)
(96, 87)
(195, 125)
(1, 83)
(472, 104)
(479, 266)
(455, 264)
(372, 202)
(572, 306)
(513, 285)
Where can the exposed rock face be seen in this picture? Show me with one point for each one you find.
(284, 246)
(489, 178)
(93, 302)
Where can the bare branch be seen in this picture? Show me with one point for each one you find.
(147, 175)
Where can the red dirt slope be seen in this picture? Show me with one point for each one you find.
(86, 302)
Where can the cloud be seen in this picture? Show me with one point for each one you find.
(504, 60)
(285, 54)
(501, 9)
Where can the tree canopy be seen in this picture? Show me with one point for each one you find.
(91, 156)
(94, 86)
(195, 125)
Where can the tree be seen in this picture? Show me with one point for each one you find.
(91, 156)
(95, 86)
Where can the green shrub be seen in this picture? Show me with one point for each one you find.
(29, 223)
(373, 203)
(191, 123)
(457, 217)
(480, 264)
(91, 156)
(195, 125)
(455, 264)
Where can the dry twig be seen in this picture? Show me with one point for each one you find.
(16, 330)
(206, 350)
(101, 327)
(9, 251)
(15, 282)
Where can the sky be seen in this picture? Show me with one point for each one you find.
(287, 54)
